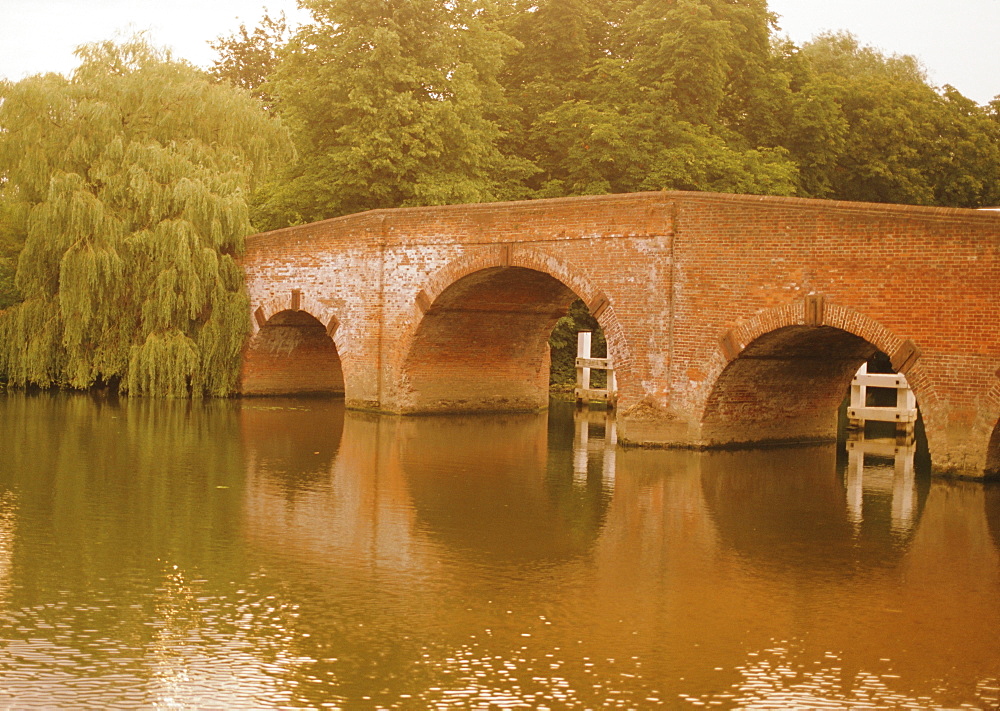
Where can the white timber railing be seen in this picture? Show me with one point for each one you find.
(584, 364)
(903, 413)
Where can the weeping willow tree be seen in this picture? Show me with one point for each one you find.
(135, 175)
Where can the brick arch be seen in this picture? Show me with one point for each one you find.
(510, 256)
(811, 311)
(491, 263)
(265, 309)
(751, 395)
(296, 348)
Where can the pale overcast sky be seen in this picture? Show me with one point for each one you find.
(958, 41)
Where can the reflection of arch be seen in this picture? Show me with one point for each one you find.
(291, 444)
(783, 373)
(291, 353)
(479, 341)
(791, 513)
(521, 508)
(993, 513)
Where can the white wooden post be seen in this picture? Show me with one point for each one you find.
(903, 413)
(859, 393)
(909, 404)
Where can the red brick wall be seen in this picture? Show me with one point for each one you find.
(684, 282)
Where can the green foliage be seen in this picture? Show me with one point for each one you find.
(868, 127)
(247, 59)
(415, 102)
(134, 175)
(639, 96)
(391, 104)
(13, 232)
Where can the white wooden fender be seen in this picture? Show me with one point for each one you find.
(584, 364)
(905, 410)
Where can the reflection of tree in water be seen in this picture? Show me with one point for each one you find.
(115, 492)
(487, 486)
(148, 472)
(787, 508)
(292, 442)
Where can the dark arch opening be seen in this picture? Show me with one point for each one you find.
(786, 386)
(993, 453)
(292, 354)
(483, 345)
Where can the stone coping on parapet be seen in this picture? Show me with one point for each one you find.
(383, 221)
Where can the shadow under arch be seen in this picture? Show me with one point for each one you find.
(787, 371)
(785, 386)
(291, 354)
(481, 342)
(993, 453)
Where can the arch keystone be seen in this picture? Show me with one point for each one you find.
(730, 346)
(814, 310)
(597, 305)
(905, 356)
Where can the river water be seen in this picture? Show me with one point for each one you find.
(286, 553)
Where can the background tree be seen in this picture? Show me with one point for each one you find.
(638, 97)
(392, 104)
(247, 59)
(134, 176)
(889, 135)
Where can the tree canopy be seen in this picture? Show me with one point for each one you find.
(128, 185)
(412, 102)
(392, 104)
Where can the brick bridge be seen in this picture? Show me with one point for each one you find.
(731, 319)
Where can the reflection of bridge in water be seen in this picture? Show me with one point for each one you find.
(718, 552)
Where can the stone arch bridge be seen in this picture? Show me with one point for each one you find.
(731, 320)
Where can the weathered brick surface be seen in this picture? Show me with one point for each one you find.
(730, 318)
